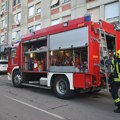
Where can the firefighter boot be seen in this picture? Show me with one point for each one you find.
(117, 110)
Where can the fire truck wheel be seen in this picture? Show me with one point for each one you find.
(61, 88)
(17, 80)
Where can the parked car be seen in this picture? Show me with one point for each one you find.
(3, 65)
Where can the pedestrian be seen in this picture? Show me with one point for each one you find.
(114, 81)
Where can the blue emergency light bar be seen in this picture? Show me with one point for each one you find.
(87, 18)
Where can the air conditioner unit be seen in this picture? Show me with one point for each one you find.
(17, 23)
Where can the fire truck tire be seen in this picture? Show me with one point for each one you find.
(61, 88)
(17, 80)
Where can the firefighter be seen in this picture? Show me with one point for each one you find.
(114, 81)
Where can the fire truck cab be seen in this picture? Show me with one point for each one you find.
(64, 57)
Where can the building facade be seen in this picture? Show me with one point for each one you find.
(19, 17)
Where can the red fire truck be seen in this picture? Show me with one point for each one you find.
(64, 57)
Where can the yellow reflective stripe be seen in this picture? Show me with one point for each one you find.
(117, 69)
(117, 79)
(113, 66)
(117, 100)
(113, 62)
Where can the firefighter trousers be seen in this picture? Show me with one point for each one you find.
(114, 92)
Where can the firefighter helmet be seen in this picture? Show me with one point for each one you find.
(118, 54)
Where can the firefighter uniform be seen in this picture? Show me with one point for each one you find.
(115, 84)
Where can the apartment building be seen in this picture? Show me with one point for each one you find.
(19, 17)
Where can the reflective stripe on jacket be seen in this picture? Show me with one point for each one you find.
(117, 100)
(116, 70)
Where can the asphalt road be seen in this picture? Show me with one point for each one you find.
(30, 103)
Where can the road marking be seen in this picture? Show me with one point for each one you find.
(42, 110)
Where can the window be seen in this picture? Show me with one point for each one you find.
(55, 3)
(95, 14)
(112, 10)
(19, 1)
(64, 1)
(31, 11)
(38, 27)
(5, 37)
(38, 11)
(4, 6)
(38, 8)
(3, 24)
(66, 18)
(31, 29)
(16, 36)
(56, 21)
(13, 36)
(89, 0)
(17, 17)
(15, 2)
(2, 39)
